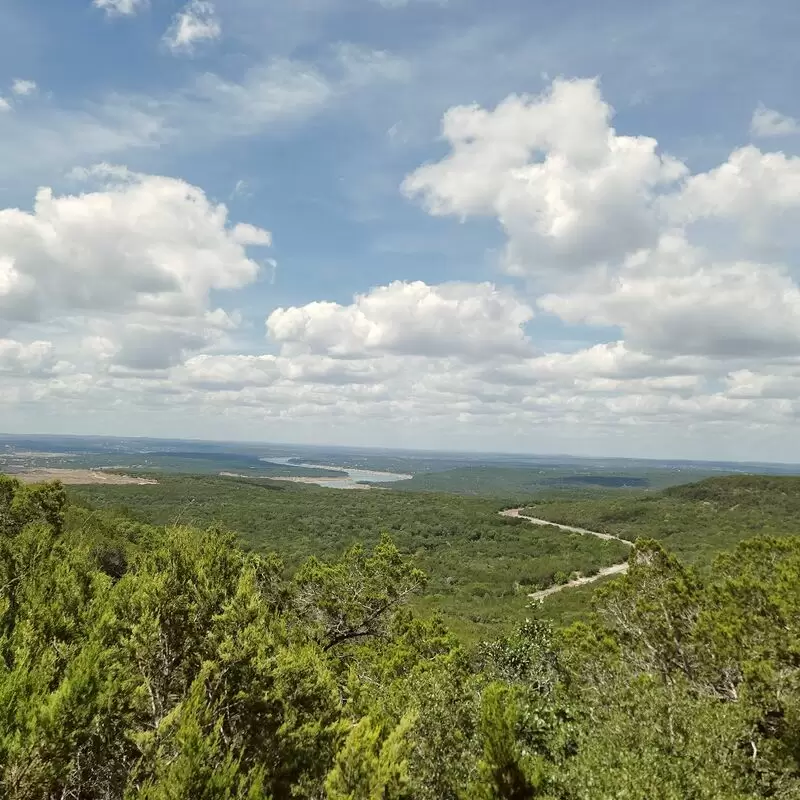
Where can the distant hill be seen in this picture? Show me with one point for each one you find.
(481, 565)
(602, 481)
(526, 481)
(768, 492)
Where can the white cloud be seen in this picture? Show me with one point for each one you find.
(121, 7)
(473, 320)
(357, 67)
(137, 343)
(168, 244)
(156, 347)
(780, 383)
(699, 339)
(4, 105)
(48, 140)
(266, 99)
(568, 190)
(747, 208)
(736, 310)
(277, 91)
(207, 110)
(239, 372)
(767, 123)
(610, 361)
(34, 358)
(583, 398)
(751, 187)
(404, 3)
(196, 22)
(124, 273)
(677, 301)
(21, 87)
(231, 372)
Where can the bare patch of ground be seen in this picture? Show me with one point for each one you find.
(76, 477)
(616, 569)
(36, 454)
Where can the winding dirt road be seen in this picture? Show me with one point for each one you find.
(616, 569)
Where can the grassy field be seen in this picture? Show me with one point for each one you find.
(481, 566)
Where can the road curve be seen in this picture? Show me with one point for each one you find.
(616, 569)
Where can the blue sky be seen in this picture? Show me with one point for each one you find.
(619, 318)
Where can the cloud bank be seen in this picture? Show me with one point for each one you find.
(125, 296)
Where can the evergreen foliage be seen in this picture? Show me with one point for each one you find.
(480, 566)
(167, 662)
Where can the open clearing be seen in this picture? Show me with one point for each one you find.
(81, 477)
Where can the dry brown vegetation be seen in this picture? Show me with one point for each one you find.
(82, 477)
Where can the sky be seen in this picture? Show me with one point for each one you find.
(449, 224)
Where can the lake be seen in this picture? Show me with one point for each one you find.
(352, 479)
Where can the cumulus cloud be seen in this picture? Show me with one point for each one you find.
(139, 342)
(33, 358)
(677, 301)
(617, 237)
(196, 22)
(568, 190)
(475, 320)
(157, 347)
(752, 188)
(239, 372)
(767, 123)
(142, 242)
(22, 88)
(635, 313)
(607, 361)
(781, 383)
(121, 7)
(4, 105)
(128, 269)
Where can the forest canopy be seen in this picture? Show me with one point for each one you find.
(481, 566)
(166, 662)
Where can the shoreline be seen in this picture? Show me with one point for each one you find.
(348, 483)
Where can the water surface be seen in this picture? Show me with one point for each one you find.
(349, 480)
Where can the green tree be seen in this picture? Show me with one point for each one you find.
(355, 597)
(373, 765)
(507, 769)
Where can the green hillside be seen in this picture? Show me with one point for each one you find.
(481, 566)
(169, 462)
(167, 663)
(523, 482)
(695, 521)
